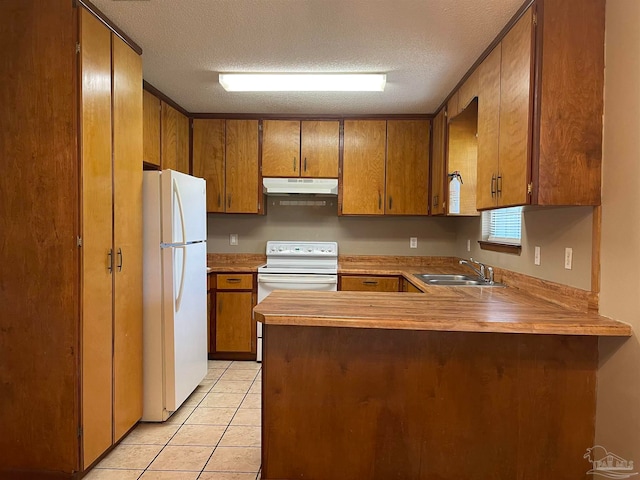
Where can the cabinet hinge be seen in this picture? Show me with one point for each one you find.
(80, 432)
(260, 126)
(79, 241)
(530, 188)
(77, 47)
(535, 19)
(258, 206)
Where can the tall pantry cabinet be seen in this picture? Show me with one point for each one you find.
(70, 255)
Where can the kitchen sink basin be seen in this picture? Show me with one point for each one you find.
(454, 280)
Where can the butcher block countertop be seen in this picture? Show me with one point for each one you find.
(451, 309)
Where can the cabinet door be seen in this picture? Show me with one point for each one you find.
(151, 129)
(320, 149)
(369, 284)
(488, 128)
(208, 159)
(241, 169)
(182, 143)
(468, 91)
(280, 148)
(363, 167)
(438, 163)
(233, 322)
(169, 152)
(452, 106)
(515, 101)
(127, 211)
(407, 175)
(97, 282)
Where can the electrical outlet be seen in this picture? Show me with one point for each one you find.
(233, 239)
(536, 256)
(568, 258)
(468, 245)
(413, 242)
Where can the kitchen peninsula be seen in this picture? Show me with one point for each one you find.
(453, 383)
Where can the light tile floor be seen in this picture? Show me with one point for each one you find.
(215, 435)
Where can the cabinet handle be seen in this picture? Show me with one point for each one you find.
(229, 201)
(369, 282)
(110, 261)
(305, 164)
(218, 200)
(379, 201)
(499, 185)
(390, 202)
(294, 164)
(493, 183)
(119, 260)
(233, 280)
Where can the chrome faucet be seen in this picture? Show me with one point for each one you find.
(484, 272)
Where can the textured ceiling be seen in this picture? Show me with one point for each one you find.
(424, 46)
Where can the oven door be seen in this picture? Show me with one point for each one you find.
(268, 282)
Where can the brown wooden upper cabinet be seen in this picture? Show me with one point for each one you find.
(241, 167)
(438, 162)
(291, 148)
(363, 164)
(209, 159)
(175, 139)
(385, 168)
(407, 172)
(151, 141)
(543, 146)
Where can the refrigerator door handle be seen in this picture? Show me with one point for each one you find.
(176, 193)
(178, 299)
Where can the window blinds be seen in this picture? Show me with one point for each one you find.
(503, 225)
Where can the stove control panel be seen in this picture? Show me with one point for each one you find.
(322, 249)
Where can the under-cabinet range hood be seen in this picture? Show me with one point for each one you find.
(302, 186)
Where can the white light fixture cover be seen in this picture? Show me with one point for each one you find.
(303, 82)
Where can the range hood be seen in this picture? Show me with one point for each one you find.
(302, 186)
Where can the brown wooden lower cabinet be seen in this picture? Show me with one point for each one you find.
(356, 283)
(232, 331)
(364, 403)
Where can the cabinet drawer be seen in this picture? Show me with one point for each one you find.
(243, 281)
(373, 284)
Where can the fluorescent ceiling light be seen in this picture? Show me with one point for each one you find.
(303, 82)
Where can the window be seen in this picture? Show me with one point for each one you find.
(502, 225)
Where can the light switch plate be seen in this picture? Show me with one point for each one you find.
(536, 256)
(413, 242)
(233, 239)
(468, 245)
(568, 258)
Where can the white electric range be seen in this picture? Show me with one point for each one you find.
(295, 265)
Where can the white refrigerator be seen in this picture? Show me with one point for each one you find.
(175, 290)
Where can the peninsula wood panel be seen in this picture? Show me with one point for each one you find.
(363, 167)
(515, 113)
(488, 128)
(280, 148)
(151, 128)
(487, 406)
(407, 168)
(320, 149)
(97, 254)
(127, 211)
(570, 155)
(438, 163)
(39, 257)
(169, 152)
(209, 159)
(234, 322)
(241, 169)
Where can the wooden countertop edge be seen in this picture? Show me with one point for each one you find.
(621, 330)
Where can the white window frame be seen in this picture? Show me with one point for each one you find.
(503, 225)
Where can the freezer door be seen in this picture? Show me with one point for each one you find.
(185, 321)
(184, 209)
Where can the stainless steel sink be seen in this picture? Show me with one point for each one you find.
(456, 280)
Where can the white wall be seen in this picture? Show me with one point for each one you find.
(618, 413)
